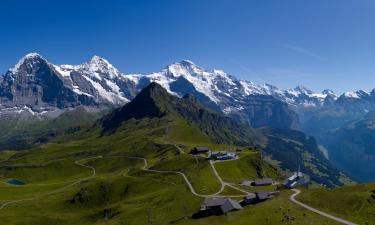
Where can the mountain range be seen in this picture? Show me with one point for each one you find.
(36, 87)
(34, 82)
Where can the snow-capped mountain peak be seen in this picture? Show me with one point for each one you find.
(99, 62)
(30, 59)
(187, 62)
(303, 90)
(201, 79)
(101, 75)
(184, 68)
(32, 55)
(97, 67)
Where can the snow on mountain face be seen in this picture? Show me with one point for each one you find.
(37, 84)
(356, 95)
(299, 96)
(351, 95)
(251, 88)
(97, 78)
(97, 67)
(206, 82)
(99, 82)
(100, 75)
(203, 81)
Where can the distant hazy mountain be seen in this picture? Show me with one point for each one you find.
(352, 147)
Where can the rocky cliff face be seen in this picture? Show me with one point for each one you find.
(32, 82)
(38, 87)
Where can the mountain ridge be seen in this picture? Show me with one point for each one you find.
(98, 83)
(155, 102)
(97, 63)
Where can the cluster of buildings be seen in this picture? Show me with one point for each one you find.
(297, 179)
(219, 206)
(220, 155)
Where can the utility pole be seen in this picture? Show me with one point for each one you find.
(261, 162)
(106, 216)
(185, 212)
(149, 219)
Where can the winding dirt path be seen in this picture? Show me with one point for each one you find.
(93, 174)
(191, 188)
(223, 183)
(293, 199)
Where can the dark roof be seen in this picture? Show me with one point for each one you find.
(210, 202)
(202, 148)
(218, 153)
(225, 204)
(230, 205)
(263, 195)
(263, 181)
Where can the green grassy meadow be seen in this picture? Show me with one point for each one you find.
(355, 203)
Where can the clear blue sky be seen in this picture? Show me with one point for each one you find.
(320, 44)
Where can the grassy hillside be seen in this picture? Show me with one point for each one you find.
(352, 147)
(293, 149)
(125, 194)
(22, 133)
(248, 167)
(355, 203)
